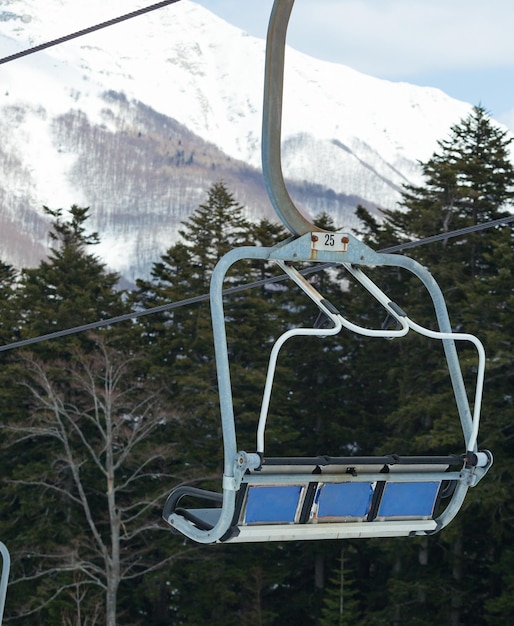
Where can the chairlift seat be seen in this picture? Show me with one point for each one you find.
(330, 497)
(323, 497)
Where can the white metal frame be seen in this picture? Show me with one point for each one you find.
(352, 255)
(355, 254)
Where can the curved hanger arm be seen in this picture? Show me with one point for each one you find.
(272, 122)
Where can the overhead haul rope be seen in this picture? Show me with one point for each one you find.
(85, 31)
(258, 283)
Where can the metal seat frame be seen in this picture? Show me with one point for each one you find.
(241, 467)
(244, 470)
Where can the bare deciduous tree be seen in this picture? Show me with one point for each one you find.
(104, 439)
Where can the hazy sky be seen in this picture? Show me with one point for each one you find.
(464, 47)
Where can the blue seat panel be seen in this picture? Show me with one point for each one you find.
(416, 499)
(272, 504)
(344, 500)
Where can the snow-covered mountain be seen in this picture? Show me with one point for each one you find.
(137, 120)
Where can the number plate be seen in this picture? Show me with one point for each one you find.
(335, 242)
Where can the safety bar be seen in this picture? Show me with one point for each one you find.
(328, 310)
(338, 322)
(404, 321)
(370, 286)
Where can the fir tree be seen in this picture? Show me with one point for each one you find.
(71, 287)
(181, 341)
(181, 352)
(86, 444)
(8, 318)
(468, 181)
(341, 607)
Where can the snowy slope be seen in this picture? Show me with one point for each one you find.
(187, 63)
(353, 134)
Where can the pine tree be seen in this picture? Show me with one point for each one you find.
(181, 345)
(341, 607)
(468, 181)
(86, 446)
(181, 352)
(10, 319)
(215, 228)
(71, 287)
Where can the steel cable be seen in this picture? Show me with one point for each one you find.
(259, 283)
(85, 31)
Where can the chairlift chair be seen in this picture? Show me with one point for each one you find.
(324, 497)
(291, 498)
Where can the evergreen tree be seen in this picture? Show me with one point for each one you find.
(181, 351)
(86, 445)
(8, 317)
(468, 181)
(71, 287)
(10, 399)
(215, 228)
(181, 346)
(341, 607)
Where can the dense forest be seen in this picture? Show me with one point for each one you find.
(97, 427)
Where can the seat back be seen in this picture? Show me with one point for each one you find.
(320, 498)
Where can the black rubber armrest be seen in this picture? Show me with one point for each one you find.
(177, 494)
(205, 519)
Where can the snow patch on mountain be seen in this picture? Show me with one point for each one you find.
(137, 120)
(187, 63)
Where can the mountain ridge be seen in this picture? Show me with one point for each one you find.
(141, 118)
